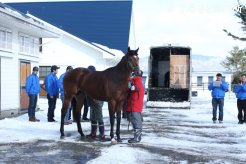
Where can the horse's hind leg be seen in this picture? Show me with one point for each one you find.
(79, 104)
(63, 113)
(118, 116)
(111, 108)
(112, 117)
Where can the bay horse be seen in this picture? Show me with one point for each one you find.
(110, 85)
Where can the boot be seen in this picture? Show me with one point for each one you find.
(101, 130)
(137, 136)
(93, 133)
(37, 120)
(33, 119)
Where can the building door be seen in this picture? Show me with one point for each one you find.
(25, 68)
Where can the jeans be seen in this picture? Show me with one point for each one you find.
(136, 119)
(68, 114)
(32, 104)
(52, 107)
(215, 103)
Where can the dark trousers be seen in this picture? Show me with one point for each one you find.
(32, 105)
(86, 108)
(52, 107)
(241, 106)
(215, 103)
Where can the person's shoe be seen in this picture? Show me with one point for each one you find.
(36, 120)
(214, 121)
(32, 119)
(102, 138)
(240, 122)
(221, 122)
(93, 133)
(91, 136)
(132, 140)
(52, 120)
(137, 136)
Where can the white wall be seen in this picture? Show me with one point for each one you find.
(66, 51)
(205, 75)
(9, 84)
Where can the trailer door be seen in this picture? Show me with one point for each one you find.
(179, 71)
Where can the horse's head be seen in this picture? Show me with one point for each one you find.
(132, 59)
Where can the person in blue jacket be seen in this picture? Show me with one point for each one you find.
(240, 90)
(33, 89)
(51, 87)
(67, 119)
(218, 88)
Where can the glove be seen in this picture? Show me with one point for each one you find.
(133, 88)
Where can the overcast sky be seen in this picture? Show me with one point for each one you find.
(192, 23)
(198, 24)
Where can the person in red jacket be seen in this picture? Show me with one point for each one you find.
(134, 105)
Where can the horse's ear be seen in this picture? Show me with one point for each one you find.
(137, 50)
(129, 49)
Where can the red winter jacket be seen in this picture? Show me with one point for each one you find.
(135, 97)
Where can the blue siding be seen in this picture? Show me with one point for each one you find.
(103, 22)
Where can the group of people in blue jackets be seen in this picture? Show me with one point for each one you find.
(218, 89)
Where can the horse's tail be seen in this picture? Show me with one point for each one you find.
(73, 103)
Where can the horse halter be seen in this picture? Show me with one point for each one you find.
(129, 62)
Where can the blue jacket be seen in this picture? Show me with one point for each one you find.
(60, 84)
(32, 84)
(240, 91)
(218, 92)
(51, 85)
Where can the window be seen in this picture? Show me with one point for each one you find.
(28, 44)
(5, 39)
(44, 71)
(210, 79)
(199, 80)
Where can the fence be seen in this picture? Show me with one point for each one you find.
(204, 86)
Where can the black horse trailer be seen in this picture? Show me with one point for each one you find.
(169, 82)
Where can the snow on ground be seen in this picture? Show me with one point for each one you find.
(169, 135)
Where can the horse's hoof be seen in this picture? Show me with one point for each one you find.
(113, 141)
(62, 137)
(83, 137)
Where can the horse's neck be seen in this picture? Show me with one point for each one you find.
(122, 70)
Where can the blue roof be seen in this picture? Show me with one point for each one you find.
(103, 22)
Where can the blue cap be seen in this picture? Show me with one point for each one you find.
(92, 68)
(54, 68)
(35, 68)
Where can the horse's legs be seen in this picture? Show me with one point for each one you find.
(119, 107)
(63, 113)
(111, 108)
(112, 117)
(118, 126)
(79, 104)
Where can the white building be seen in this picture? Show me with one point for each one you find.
(19, 52)
(201, 79)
